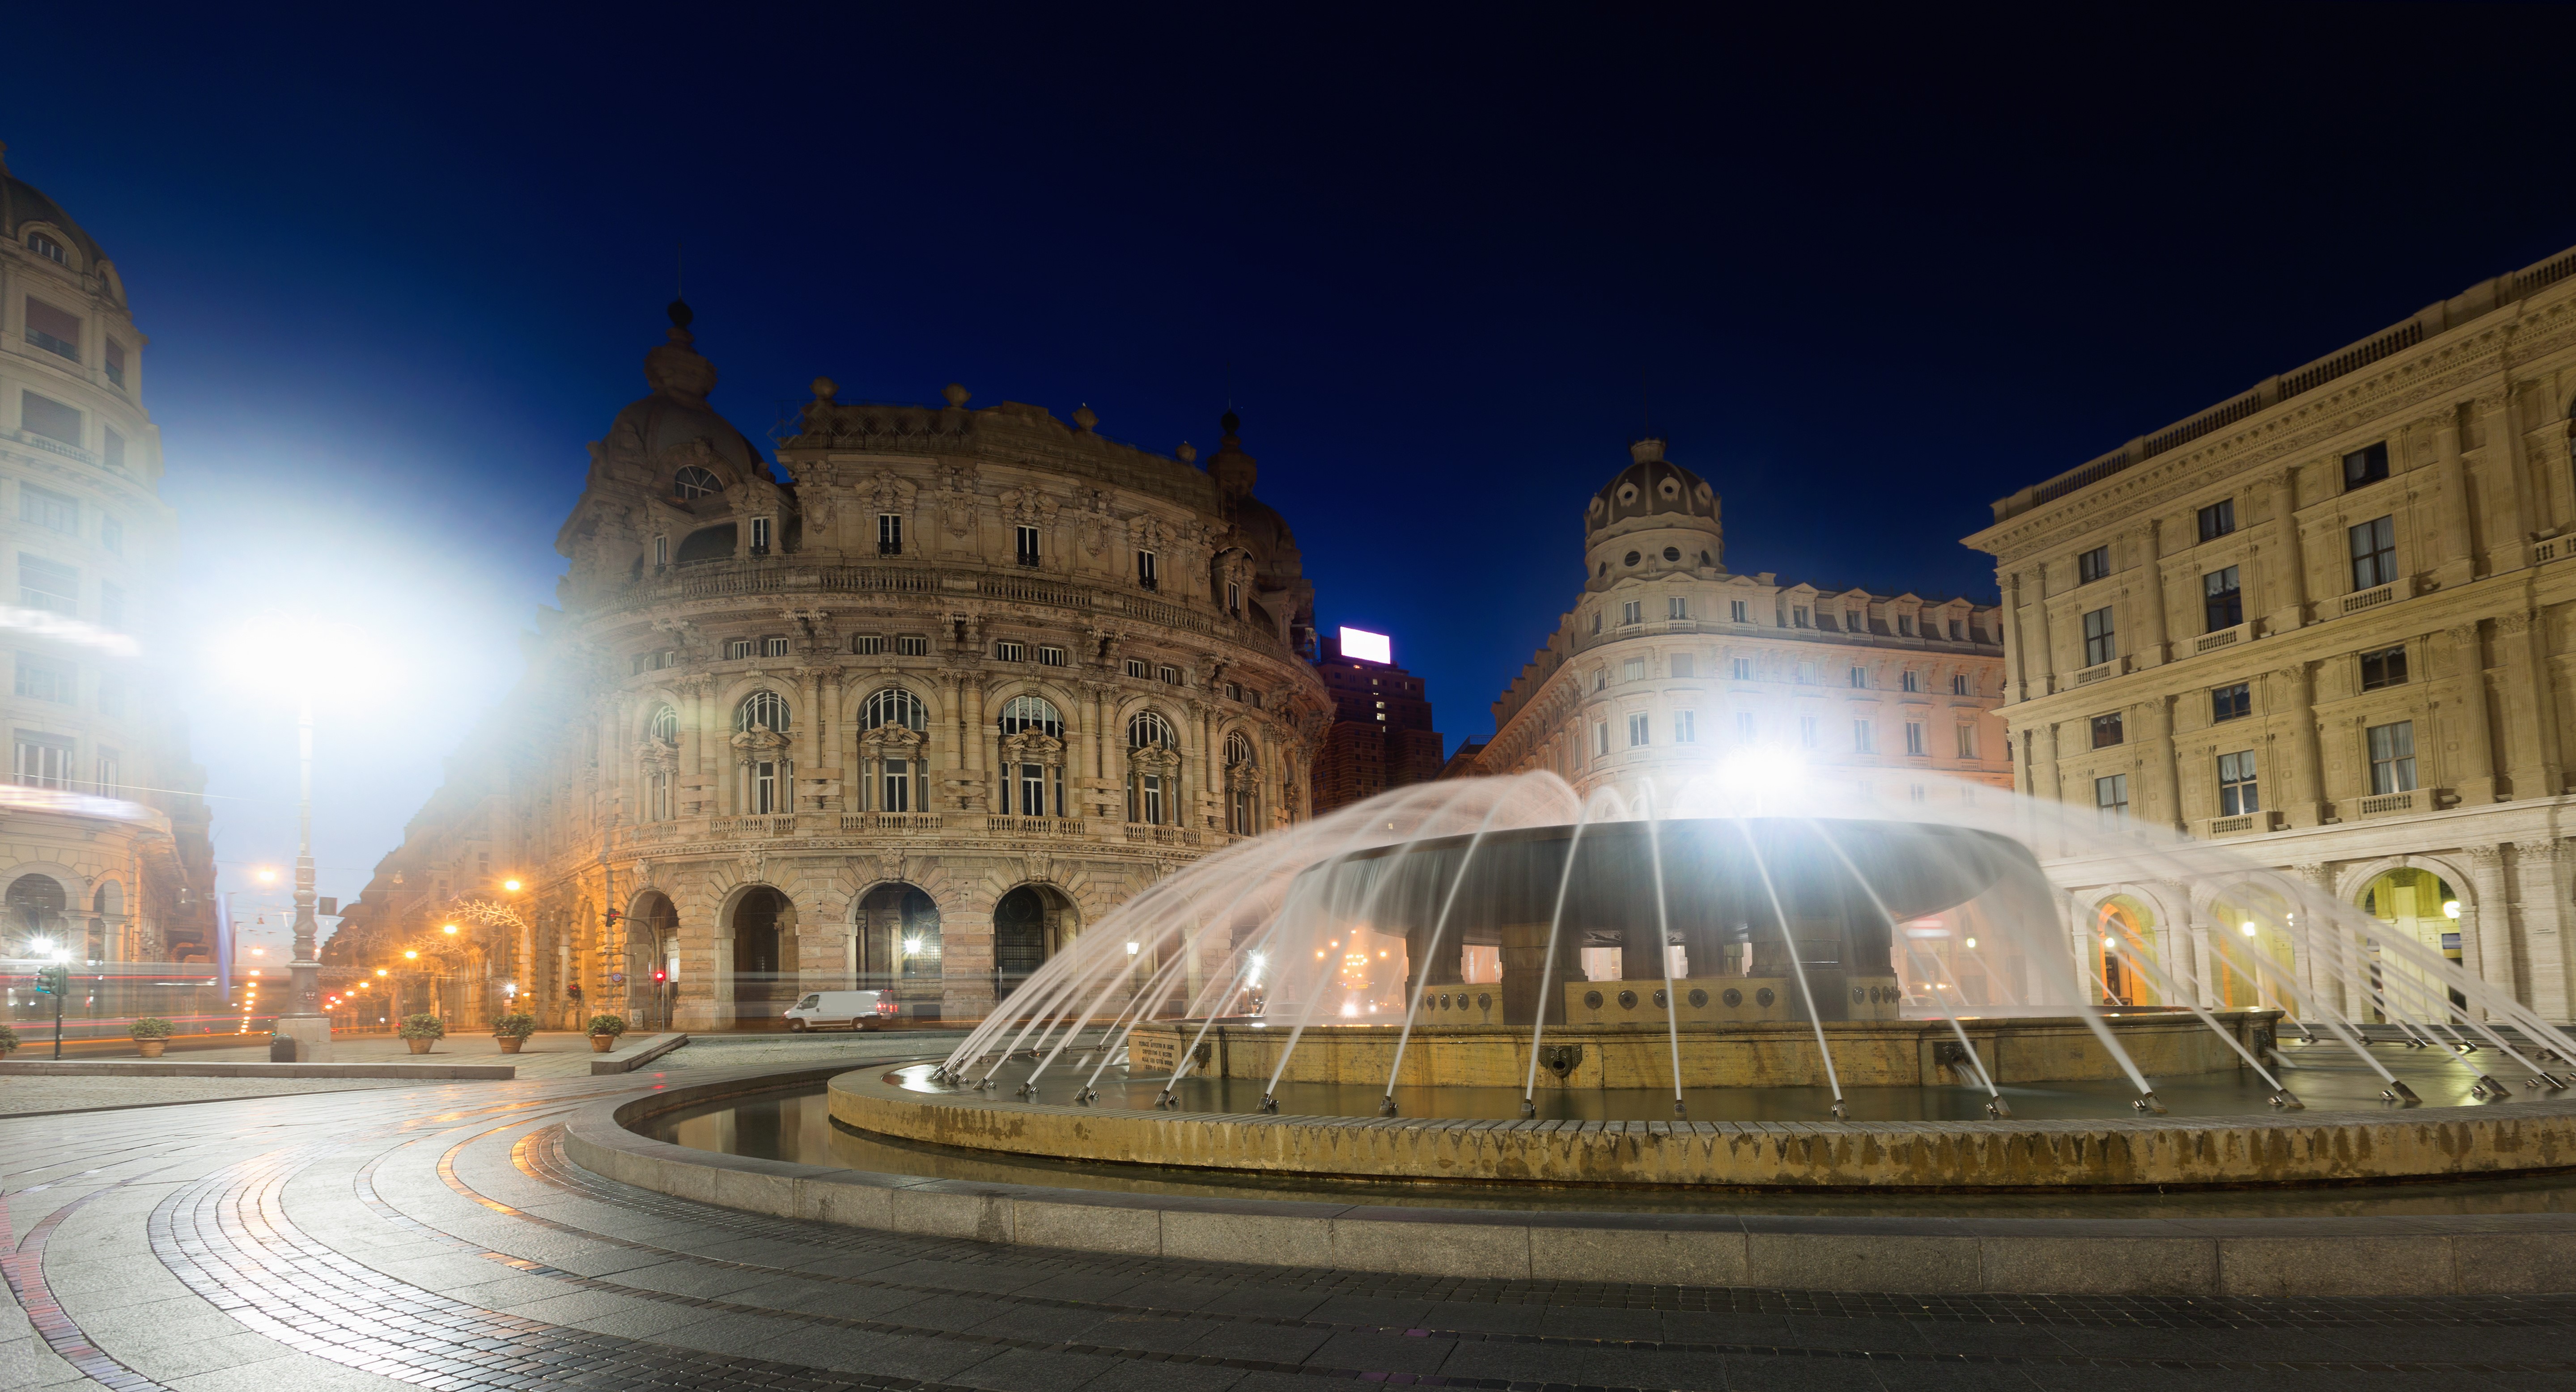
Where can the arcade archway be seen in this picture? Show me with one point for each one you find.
(764, 980)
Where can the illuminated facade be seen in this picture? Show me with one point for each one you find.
(2327, 622)
(103, 844)
(957, 684)
(1669, 661)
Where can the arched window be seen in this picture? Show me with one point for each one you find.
(1238, 750)
(694, 482)
(1032, 713)
(707, 544)
(47, 248)
(1149, 728)
(892, 706)
(764, 709)
(664, 726)
(1243, 789)
(35, 903)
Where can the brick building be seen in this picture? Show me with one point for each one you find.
(1381, 736)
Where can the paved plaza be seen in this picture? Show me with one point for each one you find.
(433, 1235)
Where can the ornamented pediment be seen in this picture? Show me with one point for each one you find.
(1153, 758)
(658, 756)
(758, 743)
(892, 741)
(1033, 747)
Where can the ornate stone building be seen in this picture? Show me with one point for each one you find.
(960, 682)
(1669, 659)
(103, 844)
(2328, 622)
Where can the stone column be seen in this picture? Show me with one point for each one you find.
(965, 963)
(2290, 605)
(2320, 965)
(2493, 923)
(2459, 527)
(2530, 707)
(2016, 648)
(2151, 560)
(2541, 882)
(2307, 787)
(808, 746)
(2206, 964)
(2158, 752)
(691, 767)
(952, 760)
(2043, 645)
(2504, 456)
(2474, 778)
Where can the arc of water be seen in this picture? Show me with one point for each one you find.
(1130, 1014)
(1043, 1011)
(1835, 844)
(2426, 992)
(1789, 940)
(1422, 976)
(2281, 1096)
(2315, 1003)
(2433, 966)
(1059, 972)
(1547, 969)
(1664, 951)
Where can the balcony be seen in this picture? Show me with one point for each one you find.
(2383, 804)
(2250, 824)
(2102, 671)
(2402, 588)
(2224, 638)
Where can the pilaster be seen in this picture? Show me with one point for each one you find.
(2494, 922)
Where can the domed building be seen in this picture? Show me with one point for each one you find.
(909, 712)
(103, 845)
(1669, 660)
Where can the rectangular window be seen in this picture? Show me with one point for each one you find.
(766, 795)
(2093, 565)
(1798, 617)
(1853, 622)
(1636, 730)
(1745, 726)
(110, 779)
(115, 449)
(1864, 738)
(2222, 603)
(889, 534)
(1026, 545)
(2386, 667)
(42, 415)
(44, 761)
(737, 648)
(1600, 678)
(1958, 630)
(1137, 668)
(1914, 681)
(1010, 652)
(1682, 664)
(1033, 786)
(2374, 553)
(1914, 743)
(1050, 656)
(1151, 791)
(2101, 642)
(661, 551)
(111, 611)
(43, 584)
(41, 680)
(1685, 727)
(911, 645)
(2238, 795)
(1596, 623)
(1148, 572)
(1168, 675)
(1634, 611)
(1967, 741)
(1735, 611)
(1959, 685)
(47, 509)
(1905, 625)
(111, 536)
(2392, 757)
(773, 647)
(1634, 669)
(1600, 737)
(2111, 799)
(1859, 677)
(867, 644)
(1676, 608)
(115, 363)
(760, 536)
(898, 786)
(53, 330)
(2218, 519)
(1234, 598)
(2109, 730)
(1742, 667)
(2231, 702)
(2366, 465)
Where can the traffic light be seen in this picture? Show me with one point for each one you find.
(613, 916)
(55, 980)
(657, 978)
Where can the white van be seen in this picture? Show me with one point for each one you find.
(833, 1009)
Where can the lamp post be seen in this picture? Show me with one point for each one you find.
(306, 1024)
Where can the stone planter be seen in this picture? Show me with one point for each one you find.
(602, 1043)
(151, 1048)
(420, 1046)
(509, 1042)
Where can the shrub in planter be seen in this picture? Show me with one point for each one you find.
(511, 1031)
(604, 1030)
(151, 1035)
(421, 1031)
(8, 1041)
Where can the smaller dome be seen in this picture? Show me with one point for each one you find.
(1652, 490)
(22, 206)
(674, 425)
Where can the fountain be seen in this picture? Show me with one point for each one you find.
(1492, 980)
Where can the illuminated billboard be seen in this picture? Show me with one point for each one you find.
(1366, 646)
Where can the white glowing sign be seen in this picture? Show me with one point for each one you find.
(1367, 646)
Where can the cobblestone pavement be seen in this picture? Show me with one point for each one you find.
(434, 1235)
(22, 1093)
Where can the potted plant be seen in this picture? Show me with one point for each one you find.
(151, 1035)
(8, 1041)
(604, 1030)
(421, 1031)
(511, 1031)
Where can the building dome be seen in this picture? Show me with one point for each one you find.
(1653, 516)
(674, 427)
(25, 211)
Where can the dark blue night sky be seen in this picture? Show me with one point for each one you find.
(1867, 271)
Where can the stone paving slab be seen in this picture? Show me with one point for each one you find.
(29, 1095)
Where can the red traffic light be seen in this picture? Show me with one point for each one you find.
(657, 976)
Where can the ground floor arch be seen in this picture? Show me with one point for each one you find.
(896, 939)
(2123, 934)
(763, 934)
(2417, 905)
(1031, 923)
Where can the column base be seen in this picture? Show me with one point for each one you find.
(312, 1036)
